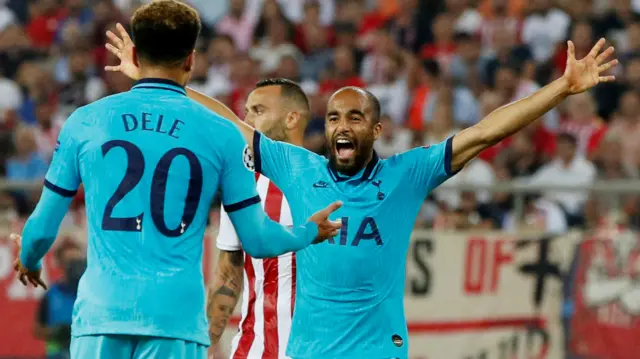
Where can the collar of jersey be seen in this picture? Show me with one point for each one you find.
(365, 174)
(159, 84)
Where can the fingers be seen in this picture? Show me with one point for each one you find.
(16, 238)
(331, 208)
(606, 78)
(23, 278)
(571, 49)
(123, 33)
(114, 50)
(607, 66)
(115, 40)
(112, 68)
(596, 48)
(604, 55)
(37, 281)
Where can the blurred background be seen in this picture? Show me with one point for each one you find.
(558, 203)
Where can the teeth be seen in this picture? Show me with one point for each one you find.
(343, 141)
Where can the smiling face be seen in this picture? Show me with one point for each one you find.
(352, 125)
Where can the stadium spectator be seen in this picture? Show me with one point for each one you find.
(53, 319)
(625, 126)
(584, 124)
(567, 167)
(466, 111)
(392, 90)
(467, 66)
(544, 28)
(394, 138)
(239, 24)
(540, 215)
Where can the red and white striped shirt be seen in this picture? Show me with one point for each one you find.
(269, 286)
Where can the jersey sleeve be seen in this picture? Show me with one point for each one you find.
(273, 158)
(238, 184)
(63, 176)
(429, 166)
(227, 237)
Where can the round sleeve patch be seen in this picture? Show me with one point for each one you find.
(247, 159)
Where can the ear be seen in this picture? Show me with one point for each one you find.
(190, 62)
(377, 130)
(292, 120)
(134, 56)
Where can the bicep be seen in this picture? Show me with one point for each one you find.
(272, 158)
(227, 237)
(466, 145)
(63, 172)
(221, 110)
(428, 166)
(238, 185)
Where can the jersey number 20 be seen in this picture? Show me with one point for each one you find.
(133, 175)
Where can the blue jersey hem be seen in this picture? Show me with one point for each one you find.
(186, 336)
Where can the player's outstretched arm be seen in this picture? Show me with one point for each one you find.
(260, 236)
(224, 293)
(579, 76)
(263, 238)
(121, 46)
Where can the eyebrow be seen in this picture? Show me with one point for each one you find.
(351, 112)
(355, 112)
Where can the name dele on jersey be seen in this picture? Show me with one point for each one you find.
(247, 159)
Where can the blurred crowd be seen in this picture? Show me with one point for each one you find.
(437, 66)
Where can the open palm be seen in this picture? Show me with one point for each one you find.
(122, 47)
(584, 74)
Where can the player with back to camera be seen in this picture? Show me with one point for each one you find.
(151, 161)
(350, 289)
(279, 109)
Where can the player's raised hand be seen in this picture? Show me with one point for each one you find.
(583, 74)
(122, 47)
(326, 228)
(24, 275)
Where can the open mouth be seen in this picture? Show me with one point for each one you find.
(344, 148)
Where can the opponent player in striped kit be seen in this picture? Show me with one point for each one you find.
(279, 109)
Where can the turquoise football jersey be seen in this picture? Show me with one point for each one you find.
(350, 289)
(151, 161)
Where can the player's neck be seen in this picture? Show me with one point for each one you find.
(177, 76)
(295, 139)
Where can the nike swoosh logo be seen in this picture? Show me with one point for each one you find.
(317, 185)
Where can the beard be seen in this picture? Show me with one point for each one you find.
(362, 154)
(278, 132)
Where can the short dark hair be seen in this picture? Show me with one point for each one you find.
(373, 101)
(290, 90)
(375, 104)
(165, 32)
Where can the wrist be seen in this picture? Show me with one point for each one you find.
(564, 88)
(28, 263)
(311, 232)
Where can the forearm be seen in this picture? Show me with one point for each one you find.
(263, 238)
(41, 228)
(517, 115)
(506, 121)
(225, 292)
(223, 111)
